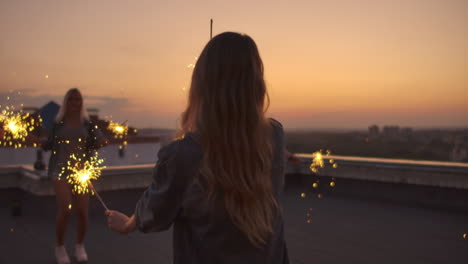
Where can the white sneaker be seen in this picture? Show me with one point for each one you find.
(61, 255)
(80, 253)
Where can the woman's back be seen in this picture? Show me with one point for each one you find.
(220, 184)
(203, 229)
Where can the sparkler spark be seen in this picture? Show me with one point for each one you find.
(81, 170)
(192, 65)
(16, 126)
(318, 161)
(120, 131)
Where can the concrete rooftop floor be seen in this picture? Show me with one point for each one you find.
(341, 230)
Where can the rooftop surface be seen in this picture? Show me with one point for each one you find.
(341, 230)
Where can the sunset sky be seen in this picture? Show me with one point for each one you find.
(328, 64)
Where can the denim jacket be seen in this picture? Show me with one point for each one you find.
(202, 233)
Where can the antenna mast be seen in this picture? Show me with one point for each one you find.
(211, 28)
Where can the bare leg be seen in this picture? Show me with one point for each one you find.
(82, 205)
(64, 198)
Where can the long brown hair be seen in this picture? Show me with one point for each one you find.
(226, 108)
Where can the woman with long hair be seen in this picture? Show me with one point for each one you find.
(72, 133)
(219, 183)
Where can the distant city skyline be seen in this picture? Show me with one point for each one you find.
(328, 64)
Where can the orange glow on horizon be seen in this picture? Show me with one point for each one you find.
(327, 63)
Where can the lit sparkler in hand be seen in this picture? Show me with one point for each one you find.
(120, 131)
(318, 161)
(16, 127)
(80, 171)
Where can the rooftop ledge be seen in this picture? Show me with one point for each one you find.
(408, 172)
(426, 173)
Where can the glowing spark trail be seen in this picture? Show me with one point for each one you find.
(16, 126)
(80, 171)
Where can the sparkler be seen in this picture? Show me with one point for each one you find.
(80, 171)
(16, 126)
(120, 131)
(318, 161)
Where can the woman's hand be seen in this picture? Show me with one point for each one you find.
(120, 223)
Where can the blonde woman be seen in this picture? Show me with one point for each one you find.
(72, 133)
(219, 185)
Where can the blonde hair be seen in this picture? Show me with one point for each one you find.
(63, 108)
(226, 108)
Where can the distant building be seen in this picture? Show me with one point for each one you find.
(391, 131)
(374, 132)
(460, 149)
(459, 153)
(406, 132)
